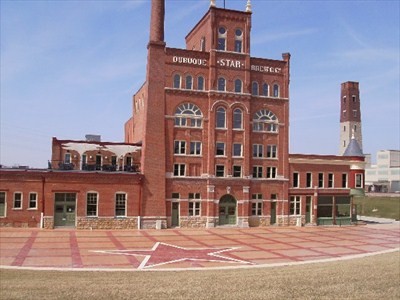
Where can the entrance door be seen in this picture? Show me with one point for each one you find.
(273, 212)
(308, 209)
(227, 210)
(64, 209)
(175, 214)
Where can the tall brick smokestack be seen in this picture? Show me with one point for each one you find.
(157, 21)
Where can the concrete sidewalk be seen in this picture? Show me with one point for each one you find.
(181, 249)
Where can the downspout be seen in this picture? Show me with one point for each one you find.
(43, 203)
(140, 203)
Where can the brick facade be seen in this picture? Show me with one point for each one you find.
(207, 145)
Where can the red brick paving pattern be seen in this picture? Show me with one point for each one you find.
(189, 248)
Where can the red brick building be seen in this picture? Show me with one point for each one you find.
(207, 145)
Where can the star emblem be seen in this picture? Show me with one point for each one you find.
(162, 254)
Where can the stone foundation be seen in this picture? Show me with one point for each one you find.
(106, 223)
(193, 222)
(48, 222)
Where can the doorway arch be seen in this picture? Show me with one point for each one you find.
(227, 210)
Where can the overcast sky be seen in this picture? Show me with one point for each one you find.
(69, 68)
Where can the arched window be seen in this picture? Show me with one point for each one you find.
(221, 84)
(254, 88)
(200, 83)
(237, 119)
(276, 90)
(265, 121)
(238, 86)
(188, 115)
(221, 38)
(220, 118)
(265, 90)
(177, 81)
(238, 40)
(189, 82)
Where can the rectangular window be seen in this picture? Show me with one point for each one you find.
(237, 150)
(258, 150)
(17, 200)
(320, 180)
(256, 208)
(120, 204)
(309, 180)
(220, 149)
(179, 170)
(194, 208)
(296, 180)
(354, 113)
(257, 172)
(359, 180)
(67, 158)
(344, 180)
(219, 170)
(330, 180)
(175, 196)
(237, 171)
(195, 148)
(271, 151)
(274, 196)
(3, 207)
(32, 201)
(295, 205)
(91, 204)
(180, 147)
(271, 172)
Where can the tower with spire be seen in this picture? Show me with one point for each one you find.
(350, 116)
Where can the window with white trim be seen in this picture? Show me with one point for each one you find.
(309, 180)
(195, 148)
(254, 88)
(296, 180)
(237, 150)
(17, 202)
(265, 90)
(3, 204)
(177, 81)
(220, 171)
(180, 147)
(276, 90)
(120, 204)
(238, 86)
(271, 172)
(257, 171)
(359, 180)
(220, 118)
(91, 204)
(330, 180)
(238, 40)
(265, 121)
(189, 82)
(221, 39)
(256, 204)
(179, 170)
(67, 158)
(271, 151)
(237, 119)
(221, 84)
(258, 150)
(344, 180)
(188, 115)
(33, 198)
(237, 171)
(295, 202)
(320, 180)
(220, 149)
(200, 83)
(194, 204)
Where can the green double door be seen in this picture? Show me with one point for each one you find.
(227, 210)
(64, 209)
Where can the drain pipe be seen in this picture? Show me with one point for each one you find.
(140, 202)
(42, 212)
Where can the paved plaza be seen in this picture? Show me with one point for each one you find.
(177, 249)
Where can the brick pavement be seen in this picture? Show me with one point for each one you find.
(175, 249)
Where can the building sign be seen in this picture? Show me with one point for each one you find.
(189, 60)
(224, 62)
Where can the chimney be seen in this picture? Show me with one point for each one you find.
(157, 21)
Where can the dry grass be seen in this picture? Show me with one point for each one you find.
(380, 207)
(375, 277)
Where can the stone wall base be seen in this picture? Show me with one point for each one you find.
(106, 223)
